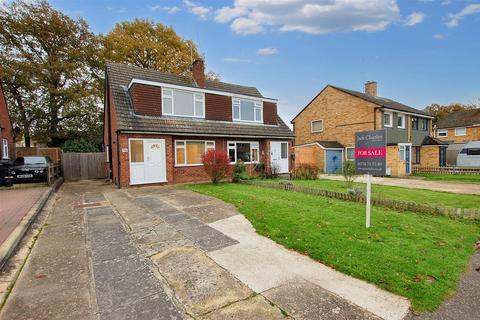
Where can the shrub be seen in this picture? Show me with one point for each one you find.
(79, 145)
(348, 172)
(240, 172)
(215, 164)
(306, 172)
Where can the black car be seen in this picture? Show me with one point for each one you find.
(30, 168)
(6, 178)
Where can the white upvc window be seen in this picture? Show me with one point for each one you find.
(442, 133)
(350, 153)
(401, 152)
(5, 149)
(247, 110)
(190, 152)
(460, 131)
(247, 151)
(401, 121)
(316, 125)
(387, 119)
(183, 103)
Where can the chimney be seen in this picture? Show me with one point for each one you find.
(371, 88)
(198, 72)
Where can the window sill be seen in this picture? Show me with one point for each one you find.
(188, 165)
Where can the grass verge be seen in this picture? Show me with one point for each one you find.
(450, 177)
(416, 256)
(437, 198)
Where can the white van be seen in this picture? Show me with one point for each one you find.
(470, 155)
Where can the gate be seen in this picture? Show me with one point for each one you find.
(82, 166)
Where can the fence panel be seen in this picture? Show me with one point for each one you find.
(81, 166)
(447, 170)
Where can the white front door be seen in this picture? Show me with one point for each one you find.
(147, 161)
(279, 155)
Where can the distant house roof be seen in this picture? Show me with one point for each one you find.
(463, 118)
(120, 75)
(382, 102)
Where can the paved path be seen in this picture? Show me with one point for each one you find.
(165, 253)
(466, 188)
(14, 205)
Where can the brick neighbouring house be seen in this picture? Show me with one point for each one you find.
(7, 136)
(325, 130)
(459, 126)
(157, 125)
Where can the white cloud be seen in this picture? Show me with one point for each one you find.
(197, 9)
(309, 16)
(414, 18)
(167, 9)
(246, 26)
(267, 51)
(454, 19)
(438, 36)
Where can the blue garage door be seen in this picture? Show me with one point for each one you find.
(334, 161)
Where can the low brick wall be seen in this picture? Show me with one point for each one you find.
(463, 213)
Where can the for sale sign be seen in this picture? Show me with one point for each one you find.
(371, 152)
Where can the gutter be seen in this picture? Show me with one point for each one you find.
(204, 134)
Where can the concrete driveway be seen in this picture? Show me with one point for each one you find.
(454, 187)
(166, 253)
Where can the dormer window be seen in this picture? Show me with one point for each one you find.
(183, 103)
(247, 110)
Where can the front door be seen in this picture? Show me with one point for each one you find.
(442, 157)
(147, 161)
(408, 162)
(279, 156)
(333, 161)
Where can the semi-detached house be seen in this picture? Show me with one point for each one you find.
(158, 125)
(7, 136)
(325, 130)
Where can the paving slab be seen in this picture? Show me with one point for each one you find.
(304, 300)
(91, 197)
(255, 308)
(123, 280)
(199, 283)
(209, 213)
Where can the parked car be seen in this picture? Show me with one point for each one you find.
(30, 168)
(6, 178)
(470, 155)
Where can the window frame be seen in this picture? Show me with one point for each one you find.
(402, 116)
(442, 130)
(257, 105)
(251, 151)
(169, 93)
(460, 135)
(311, 125)
(185, 164)
(346, 154)
(400, 147)
(5, 150)
(416, 122)
(390, 125)
(424, 122)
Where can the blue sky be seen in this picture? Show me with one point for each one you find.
(419, 51)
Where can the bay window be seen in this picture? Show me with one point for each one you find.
(190, 152)
(247, 110)
(247, 152)
(183, 103)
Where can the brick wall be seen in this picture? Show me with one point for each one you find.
(218, 107)
(397, 166)
(342, 115)
(270, 113)
(312, 155)
(429, 156)
(6, 132)
(147, 100)
(473, 134)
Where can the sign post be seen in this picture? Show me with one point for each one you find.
(370, 159)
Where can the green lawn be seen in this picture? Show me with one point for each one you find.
(417, 256)
(437, 198)
(450, 177)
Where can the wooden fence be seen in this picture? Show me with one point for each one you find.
(447, 170)
(81, 166)
(53, 153)
(464, 213)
